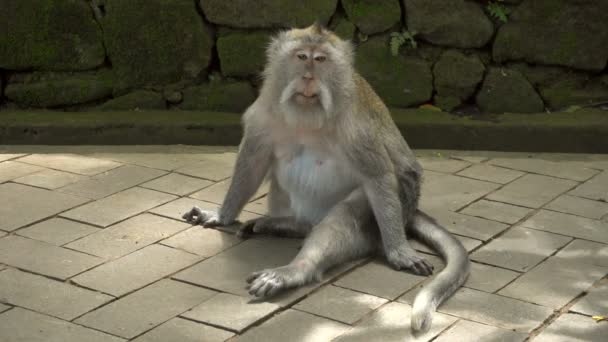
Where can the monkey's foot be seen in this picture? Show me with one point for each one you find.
(269, 282)
(205, 218)
(403, 258)
(277, 226)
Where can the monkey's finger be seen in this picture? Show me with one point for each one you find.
(265, 289)
(253, 276)
(255, 286)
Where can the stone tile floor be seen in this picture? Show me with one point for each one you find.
(93, 248)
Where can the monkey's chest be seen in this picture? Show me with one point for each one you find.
(315, 182)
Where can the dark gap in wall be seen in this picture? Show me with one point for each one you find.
(3, 80)
(339, 11)
(402, 6)
(214, 64)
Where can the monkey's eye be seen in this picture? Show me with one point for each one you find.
(302, 56)
(320, 58)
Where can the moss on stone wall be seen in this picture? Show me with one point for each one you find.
(49, 35)
(150, 53)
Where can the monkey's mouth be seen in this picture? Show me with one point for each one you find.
(304, 99)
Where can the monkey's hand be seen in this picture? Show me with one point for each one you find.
(206, 218)
(405, 257)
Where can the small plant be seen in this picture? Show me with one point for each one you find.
(400, 38)
(498, 10)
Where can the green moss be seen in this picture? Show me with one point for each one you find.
(399, 80)
(139, 100)
(49, 35)
(50, 90)
(220, 96)
(242, 53)
(373, 16)
(556, 32)
(342, 27)
(155, 42)
(574, 90)
(508, 91)
(456, 77)
(268, 13)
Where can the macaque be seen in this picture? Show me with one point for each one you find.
(341, 174)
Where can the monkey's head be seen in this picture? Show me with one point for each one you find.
(311, 71)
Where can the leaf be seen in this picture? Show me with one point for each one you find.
(600, 318)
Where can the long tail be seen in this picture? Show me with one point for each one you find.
(448, 280)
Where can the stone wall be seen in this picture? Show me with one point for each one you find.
(82, 55)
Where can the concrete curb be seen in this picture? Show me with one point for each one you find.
(581, 131)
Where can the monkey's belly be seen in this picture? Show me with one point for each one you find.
(315, 183)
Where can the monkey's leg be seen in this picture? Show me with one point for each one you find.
(345, 234)
(279, 226)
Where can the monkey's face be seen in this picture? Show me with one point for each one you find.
(307, 73)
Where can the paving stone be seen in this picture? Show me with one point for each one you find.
(472, 331)
(468, 244)
(585, 252)
(231, 312)
(128, 236)
(573, 328)
(8, 156)
(579, 206)
(490, 173)
(227, 271)
(202, 241)
(378, 279)
(570, 225)
(451, 192)
(444, 165)
(124, 275)
(113, 181)
(50, 179)
(146, 308)
(259, 206)
(2, 234)
(177, 184)
(496, 211)
(488, 278)
(546, 167)
(20, 325)
(57, 231)
(492, 309)
(217, 192)
(175, 210)
(469, 157)
(43, 258)
(48, 296)
(340, 304)
(520, 248)
(166, 160)
(595, 302)
(118, 207)
(554, 283)
(182, 330)
(392, 323)
(214, 167)
(596, 188)
(532, 191)
(466, 225)
(10, 170)
(294, 326)
(14, 198)
(71, 163)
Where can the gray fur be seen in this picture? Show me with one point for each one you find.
(346, 179)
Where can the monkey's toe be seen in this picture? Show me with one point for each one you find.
(422, 266)
(265, 284)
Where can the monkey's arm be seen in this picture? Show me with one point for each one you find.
(252, 165)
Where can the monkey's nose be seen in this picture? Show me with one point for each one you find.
(308, 76)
